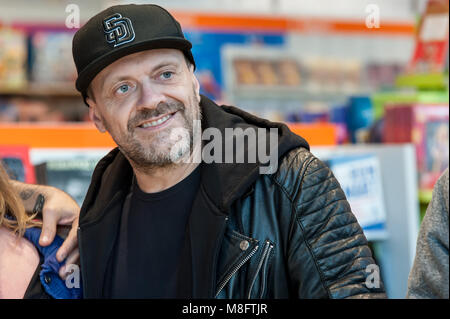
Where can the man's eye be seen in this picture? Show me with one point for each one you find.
(123, 88)
(167, 75)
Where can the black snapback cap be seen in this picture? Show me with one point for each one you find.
(122, 30)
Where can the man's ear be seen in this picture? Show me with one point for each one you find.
(94, 115)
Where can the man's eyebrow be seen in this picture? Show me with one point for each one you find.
(164, 64)
(124, 77)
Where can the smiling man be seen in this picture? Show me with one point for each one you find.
(158, 223)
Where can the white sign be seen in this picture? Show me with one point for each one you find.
(360, 178)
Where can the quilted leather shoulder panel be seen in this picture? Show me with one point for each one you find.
(324, 220)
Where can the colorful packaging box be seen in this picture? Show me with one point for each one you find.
(427, 127)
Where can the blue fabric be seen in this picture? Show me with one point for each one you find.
(52, 283)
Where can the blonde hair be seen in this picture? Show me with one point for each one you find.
(11, 204)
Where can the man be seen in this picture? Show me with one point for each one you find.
(157, 222)
(429, 276)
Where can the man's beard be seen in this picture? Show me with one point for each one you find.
(159, 152)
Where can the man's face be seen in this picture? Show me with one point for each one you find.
(140, 99)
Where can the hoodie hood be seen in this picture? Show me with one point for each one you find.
(223, 182)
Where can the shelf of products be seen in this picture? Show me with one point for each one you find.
(86, 135)
(427, 81)
(80, 135)
(37, 76)
(46, 90)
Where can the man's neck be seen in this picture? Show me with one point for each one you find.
(158, 179)
(163, 178)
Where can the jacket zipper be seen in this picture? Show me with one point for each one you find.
(235, 269)
(222, 233)
(267, 248)
(263, 279)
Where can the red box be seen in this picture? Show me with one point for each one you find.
(16, 160)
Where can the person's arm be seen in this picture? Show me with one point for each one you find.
(429, 276)
(57, 208)
(326, 241)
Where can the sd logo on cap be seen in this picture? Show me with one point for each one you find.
(118, 30)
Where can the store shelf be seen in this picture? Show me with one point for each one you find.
(436, 81)
(227, 22)
(269, 84)
(48, 90)
(54, 136)
(290, 93)
(86, 134)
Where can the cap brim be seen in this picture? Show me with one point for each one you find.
(97, 65)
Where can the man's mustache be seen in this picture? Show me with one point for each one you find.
(146, 114)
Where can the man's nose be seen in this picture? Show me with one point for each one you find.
(149, 96)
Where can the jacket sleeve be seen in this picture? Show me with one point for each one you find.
(326, 239)
(429, 276)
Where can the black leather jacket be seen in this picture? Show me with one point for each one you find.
(290, 234)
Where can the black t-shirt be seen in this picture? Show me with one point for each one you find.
(151, 239)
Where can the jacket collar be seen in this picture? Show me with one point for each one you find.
(225, 182)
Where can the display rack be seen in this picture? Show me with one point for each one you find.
(282, 97)
(86, 135)
(266, 23)
(430, 81)
(67, 135)
(35, 90)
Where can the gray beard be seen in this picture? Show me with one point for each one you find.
(146, 158)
